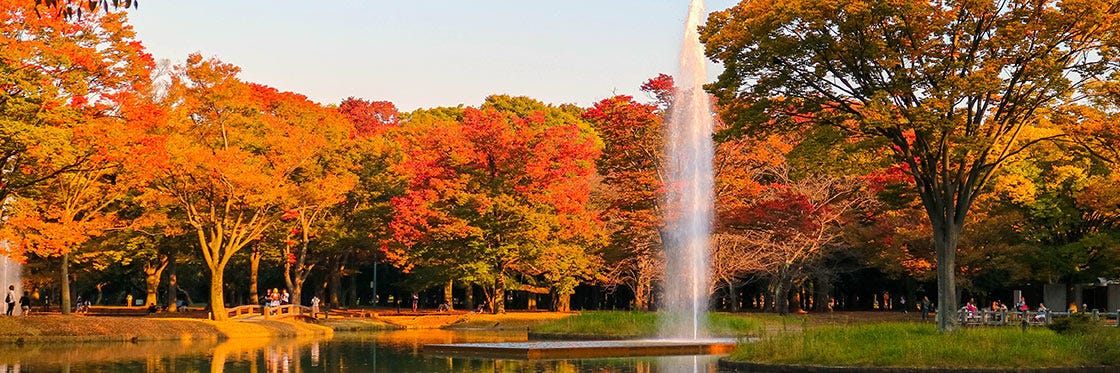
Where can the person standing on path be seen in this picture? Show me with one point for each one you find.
(10, 299)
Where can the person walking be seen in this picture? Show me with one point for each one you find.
(25, 305)
(10, 299)
(925, 306)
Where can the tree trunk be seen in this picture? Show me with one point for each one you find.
(100, 286)
(151, 279)
(823, 296)
(642, 291)
(217, 293)
(488, 293)
(336, 282)
(448, 296)
(733, 295)
(354, 289)
(294, 278)
(254, 278)
(561, 302)
(66, 284)
(945, 239)
(468, 299)
(152, 274)
(499, 304)
(295, 274)
(781, 291)
(172, 285)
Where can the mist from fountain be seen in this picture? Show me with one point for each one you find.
(689, 198)
(9, 275)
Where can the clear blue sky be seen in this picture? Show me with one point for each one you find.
(427, 53)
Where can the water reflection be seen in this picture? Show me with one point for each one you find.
(393, 351)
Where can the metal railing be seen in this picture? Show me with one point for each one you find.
(987, 317)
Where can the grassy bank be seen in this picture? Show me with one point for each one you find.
(920, 345)
(54, 328)
(640, 324)
(356, 324)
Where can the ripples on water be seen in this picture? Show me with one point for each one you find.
(392, 351)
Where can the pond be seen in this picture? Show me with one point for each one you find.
(388, 351)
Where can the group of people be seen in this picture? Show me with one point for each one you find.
(10, 302)
(275, 298)
(969, 310)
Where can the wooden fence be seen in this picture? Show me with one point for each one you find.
(284, 311)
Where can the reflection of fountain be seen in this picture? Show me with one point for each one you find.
(9, 274)
(690, 149)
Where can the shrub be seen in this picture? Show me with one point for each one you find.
(1075, 324)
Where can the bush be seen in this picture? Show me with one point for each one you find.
(1075, 324)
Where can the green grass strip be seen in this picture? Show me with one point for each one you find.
(640, 324)
(921, 345)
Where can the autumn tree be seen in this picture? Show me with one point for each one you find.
(77, 10)
(55, 76)
(1060, 205)
(359, 226)
(227, 160)
(946, 87)
(633, 181)
(740, 166)
(795, 221)
(320, 182)
(62, 147)
(490, 190)
(369, 117)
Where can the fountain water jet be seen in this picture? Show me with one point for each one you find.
(685, 301)
(689, 197)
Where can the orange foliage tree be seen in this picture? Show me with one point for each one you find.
(228, 159)
(633, 182)
(321, 180)
(62, 149)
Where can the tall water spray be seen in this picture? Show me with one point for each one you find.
(689, 196)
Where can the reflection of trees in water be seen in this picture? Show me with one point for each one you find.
(59, 356)
(273, 355)
(347, 352)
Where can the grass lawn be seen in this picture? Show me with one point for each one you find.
(900, 344)
(641, 324)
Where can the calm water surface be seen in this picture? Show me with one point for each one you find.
(391, 351)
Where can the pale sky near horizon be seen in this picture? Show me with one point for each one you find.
(428, 53)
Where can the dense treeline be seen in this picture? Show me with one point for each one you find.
(124, 176)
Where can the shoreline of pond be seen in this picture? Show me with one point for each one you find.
(80, 329)
(38, 329)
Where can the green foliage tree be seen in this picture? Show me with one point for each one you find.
(947, 87)
(492, 190)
